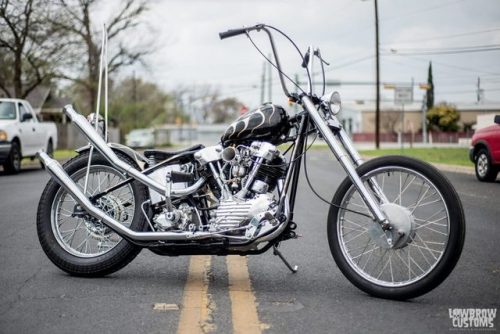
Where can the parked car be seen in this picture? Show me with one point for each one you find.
(141, 138)
(485, 151)
(22, 134)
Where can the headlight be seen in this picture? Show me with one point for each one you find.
(332, 102)
(3, 135)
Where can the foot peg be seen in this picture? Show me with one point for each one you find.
(287, 264)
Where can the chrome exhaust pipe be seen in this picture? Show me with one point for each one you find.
(61, 177)
(99, 143)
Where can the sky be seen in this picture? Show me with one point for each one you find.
(190, 53)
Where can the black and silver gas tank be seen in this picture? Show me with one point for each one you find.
(267, 123)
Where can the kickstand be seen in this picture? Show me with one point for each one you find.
(288, 265)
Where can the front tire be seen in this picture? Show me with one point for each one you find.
(423, 204)
(485, 171)
(13, 163)
(81, 245)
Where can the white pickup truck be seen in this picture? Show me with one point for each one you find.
(22, 135)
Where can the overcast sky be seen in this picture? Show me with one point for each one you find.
(189, 51)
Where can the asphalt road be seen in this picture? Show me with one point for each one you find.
(36, 297)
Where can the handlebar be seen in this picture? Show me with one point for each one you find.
(232, 32)
(236, 32)
(240, 31)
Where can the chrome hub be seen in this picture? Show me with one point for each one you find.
(482, 165)
(401, 229)
(113, 208)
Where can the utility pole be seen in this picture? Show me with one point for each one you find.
(295, 106)
(263, 82)
(134, 88)
(377, 79)
(270, 81)
(479, 91)
(134, 97)
(424, 119)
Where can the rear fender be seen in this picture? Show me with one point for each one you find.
(140, 159)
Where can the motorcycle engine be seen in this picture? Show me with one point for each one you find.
(251, 174)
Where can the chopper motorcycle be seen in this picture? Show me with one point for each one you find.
(395, 226)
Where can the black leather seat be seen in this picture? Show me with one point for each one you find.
(159, 155)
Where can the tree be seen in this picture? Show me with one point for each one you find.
(135, 103)
(430, 90)
(444, 117)
(29, 47)
(226, 110)
(75, 17)
(205, 104)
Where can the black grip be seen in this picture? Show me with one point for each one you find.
(232, 33)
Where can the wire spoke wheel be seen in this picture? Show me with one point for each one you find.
(364, 244)
(423, 242)
(79, 233)
(78, 243)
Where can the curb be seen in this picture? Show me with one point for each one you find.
(455, 168)
(444, 167)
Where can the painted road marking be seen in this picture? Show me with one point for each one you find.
(163, 307)
(243, 306)
(196, 311)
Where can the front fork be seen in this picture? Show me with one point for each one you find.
(341, 145)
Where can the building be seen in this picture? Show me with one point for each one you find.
(391, 116)
(46, 103)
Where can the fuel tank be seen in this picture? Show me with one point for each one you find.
(267, 123)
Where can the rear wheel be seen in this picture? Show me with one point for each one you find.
(78, 243)
(485, 171)
(426, 235)
(13, 163)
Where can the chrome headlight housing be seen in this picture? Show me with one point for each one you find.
(3, 136)
(332, 102)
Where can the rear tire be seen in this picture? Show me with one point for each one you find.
(68, 259)
(357, 268)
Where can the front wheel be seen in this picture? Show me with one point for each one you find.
(13, 163)
(425, 237)
(485, 171)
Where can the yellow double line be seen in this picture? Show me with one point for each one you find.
(197, 306)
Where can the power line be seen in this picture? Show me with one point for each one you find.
(462, 68)
(349, 63)
(450, 50)
(422, 10)
(399, 16)
(446, 36)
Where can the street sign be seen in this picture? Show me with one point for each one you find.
(403, 95)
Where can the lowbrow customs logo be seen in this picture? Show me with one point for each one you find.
(473, 318)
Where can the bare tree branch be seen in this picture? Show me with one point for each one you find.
(31, 44)
(80, 25)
